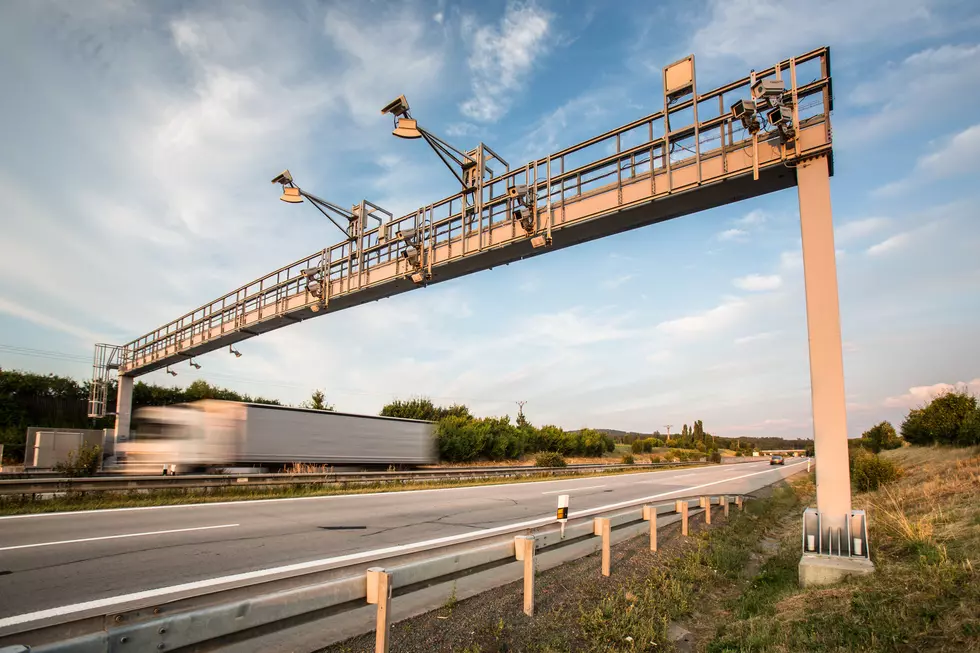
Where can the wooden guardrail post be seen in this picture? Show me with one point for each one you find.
(724, 504)
(706, 504)
(603, 528)
(524, 548)
(379, 593)
(739, 503)
(680, 507)
(650, 514)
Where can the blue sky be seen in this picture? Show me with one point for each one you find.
(139, 138)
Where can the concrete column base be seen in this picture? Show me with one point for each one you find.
(818, 570)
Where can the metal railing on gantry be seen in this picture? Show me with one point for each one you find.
(692, 155)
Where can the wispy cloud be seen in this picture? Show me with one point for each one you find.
(884, 106)
(753, 218)
(616, 282)
(732, 234)
(40, 319)
(716, 319)
(756, 337)
(958, 156)
(891, 244)
(857, 229)
(763, 31)
(758, 282)
(502, 56)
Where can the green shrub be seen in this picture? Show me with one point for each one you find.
(637, 446)
(870, 471)
(83, 462)
(739, 454)
(550, 459)
(655, 459)
(627, 459)
(942, 420)
(715, 456)
(881, 436)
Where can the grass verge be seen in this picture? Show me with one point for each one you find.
(924, 594)
(136, 498)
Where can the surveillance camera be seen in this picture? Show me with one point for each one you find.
(768, 88)
(405, 234)
(743, 107)
(780, 116)
(397, 107)
(283, 178)
(517, 191)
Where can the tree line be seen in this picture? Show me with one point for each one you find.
(28, 399)
(461, 437)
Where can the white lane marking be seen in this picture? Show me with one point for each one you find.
(348, 558)
(573, 489)
(83, 513)
(115, 537)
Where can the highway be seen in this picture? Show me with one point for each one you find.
(63, 563)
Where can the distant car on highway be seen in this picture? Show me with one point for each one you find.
(777, 460)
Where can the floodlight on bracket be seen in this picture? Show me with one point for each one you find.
(293, 194)
(468, 167)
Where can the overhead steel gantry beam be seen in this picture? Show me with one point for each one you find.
(691, 156)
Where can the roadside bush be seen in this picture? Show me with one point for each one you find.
(715, 457)
(739, 454)
(637, 446)
(655, 459)
(550, 459)
(83, 462)
(627, 459)
(870, 471)
(880, 437)
(947, 419)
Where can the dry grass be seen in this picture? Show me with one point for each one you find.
(925, 592)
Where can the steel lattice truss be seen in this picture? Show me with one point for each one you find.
(691, 156)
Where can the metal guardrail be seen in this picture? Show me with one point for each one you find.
(44, 485)
(230, 615)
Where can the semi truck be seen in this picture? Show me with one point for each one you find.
(210, 435)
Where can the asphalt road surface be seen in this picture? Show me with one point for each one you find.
(56, 562)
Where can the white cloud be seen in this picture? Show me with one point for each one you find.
(40, 319)
(462, 129)
(574, 120)
(959, 156)
(883, 104)
(502, 56)
(758, 282)
(756, 337)
(857, 229)
(765, 31)
(732, 234)
(716, 319)
(896, 242)
(922, 394)
(616, 282)
(791, 260)
(753, 218)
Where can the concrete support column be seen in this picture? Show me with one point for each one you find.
(124, 407)
(826, 357)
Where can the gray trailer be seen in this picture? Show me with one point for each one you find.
(214, 434)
